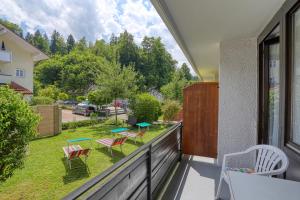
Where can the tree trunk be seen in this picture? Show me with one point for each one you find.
(116, 111)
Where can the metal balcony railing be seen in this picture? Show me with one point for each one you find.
(140, 175)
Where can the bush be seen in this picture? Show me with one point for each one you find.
(39, 100)
(170, 109)
(112, 121)
(50, 91)
(145, 107)
(63, 96)
(80, 98)
(73, 125)
(18, 125)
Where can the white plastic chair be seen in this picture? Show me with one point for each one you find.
(267, 159)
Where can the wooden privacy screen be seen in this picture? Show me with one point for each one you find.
(200, 119)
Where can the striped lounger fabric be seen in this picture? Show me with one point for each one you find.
(109, 142)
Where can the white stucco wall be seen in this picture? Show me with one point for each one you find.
(238, 96)
(20, 59)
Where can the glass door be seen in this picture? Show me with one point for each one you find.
(270, 90)
(273, 94)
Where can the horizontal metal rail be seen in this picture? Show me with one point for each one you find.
(147, 149)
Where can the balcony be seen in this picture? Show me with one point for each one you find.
(5, 78)
(5, 56)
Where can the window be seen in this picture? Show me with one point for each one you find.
(20, 72)
(295, 80)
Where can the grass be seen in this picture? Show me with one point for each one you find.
(45, 174)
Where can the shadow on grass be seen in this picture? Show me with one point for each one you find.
(117, 154)
(79, 170)
(138, 142)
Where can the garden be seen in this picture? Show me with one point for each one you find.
(36, 168)
(46, 175)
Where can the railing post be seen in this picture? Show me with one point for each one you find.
(180, 142)
(149, 173)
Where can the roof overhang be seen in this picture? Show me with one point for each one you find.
(200, 26)
(37, 54)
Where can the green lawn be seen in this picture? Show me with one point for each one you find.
(45, 174)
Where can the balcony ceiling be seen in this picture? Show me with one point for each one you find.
(200, 25)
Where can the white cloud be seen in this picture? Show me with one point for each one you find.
(93, 19)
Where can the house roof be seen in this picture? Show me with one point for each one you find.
(18, 88)
(200, 26)
(37, 54)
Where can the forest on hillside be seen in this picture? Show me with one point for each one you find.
(79, 67)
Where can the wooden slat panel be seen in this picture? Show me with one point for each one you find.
(200, 119)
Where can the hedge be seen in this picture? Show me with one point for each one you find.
(71, 125)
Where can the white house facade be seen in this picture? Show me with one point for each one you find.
(17, 59)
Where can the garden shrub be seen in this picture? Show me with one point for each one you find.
(112, 121)
(18, 125)
(73, 125)
(40, 100)
(145, 107)
(170, 109)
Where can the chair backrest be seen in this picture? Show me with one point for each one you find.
(73, 154)
(119, 141)
(268, 158)
(142, 133)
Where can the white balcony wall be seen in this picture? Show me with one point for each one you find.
(5, 56)
(238, 96)
(5, 79)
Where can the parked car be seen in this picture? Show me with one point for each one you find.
(70, 102)
(84, 109)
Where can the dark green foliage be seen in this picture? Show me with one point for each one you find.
(98, 98)
(74, 73)
(18, 125)
(70, 43)
(157, 65)
(57, 44)
(186, 72)
(174, 89)
(39, 100)
(71, 125)
(146, 108)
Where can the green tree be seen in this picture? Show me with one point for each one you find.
(41, 41)
(105, 50)
(57, 44)
(117, 82)
(13, 27)
(70, 43)
(157, 65)
(82, 44)
(50, 91)
(174, 89)
(29, 38)
(18, 125)
(186, 72)
(98, 98)
(127, 50)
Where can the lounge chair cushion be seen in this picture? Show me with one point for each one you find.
(106, 141)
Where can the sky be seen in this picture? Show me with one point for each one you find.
(94, 19)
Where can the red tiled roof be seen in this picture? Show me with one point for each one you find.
(18, 88)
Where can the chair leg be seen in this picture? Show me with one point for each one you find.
(219, 187)
(70, 164)
(111, 151)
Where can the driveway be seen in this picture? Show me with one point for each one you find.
(68, 116)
